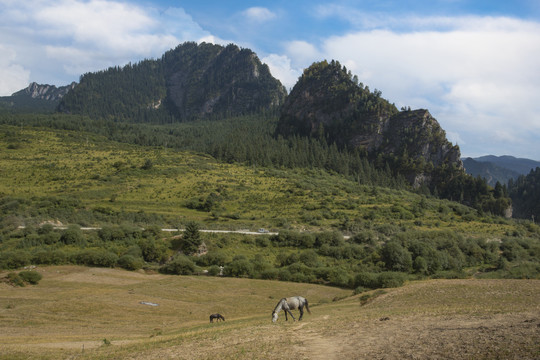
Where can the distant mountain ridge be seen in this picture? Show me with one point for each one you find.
(499, 168)
(520, 165)
(36, 97)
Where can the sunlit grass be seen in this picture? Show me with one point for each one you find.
(93, 313)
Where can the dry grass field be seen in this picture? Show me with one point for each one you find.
(95, 313)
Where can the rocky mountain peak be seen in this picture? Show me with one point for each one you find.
(45, 92)
(330, 104)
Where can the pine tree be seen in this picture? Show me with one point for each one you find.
(192, 238)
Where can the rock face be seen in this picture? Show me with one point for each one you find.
(418, 138)
(207, 79)
(36, 97)
(328, 103)
(45, 92)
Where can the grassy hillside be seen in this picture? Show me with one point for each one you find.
(102, 176)
(94, 313)
(77, 179)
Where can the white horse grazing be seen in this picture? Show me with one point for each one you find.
(288, 304)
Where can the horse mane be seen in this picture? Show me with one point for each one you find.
(279, 305)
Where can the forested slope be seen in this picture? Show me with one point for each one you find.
(188, 82)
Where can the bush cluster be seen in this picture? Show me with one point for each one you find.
(24, 277)
(379, 257)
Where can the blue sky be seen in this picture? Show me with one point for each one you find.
(473, 64)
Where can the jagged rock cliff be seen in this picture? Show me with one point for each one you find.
(45, 92)
(328, 103)
(36, 97)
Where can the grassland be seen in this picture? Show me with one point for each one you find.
(110, 178)
(101, 313)
(94, 313)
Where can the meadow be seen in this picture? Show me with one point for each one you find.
(160, 186)
(99, 313)
(77, 179)
(364, 240)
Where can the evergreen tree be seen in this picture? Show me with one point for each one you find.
(191, 240)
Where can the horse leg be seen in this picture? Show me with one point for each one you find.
(286, 316)
(301, 308)
(294, 319)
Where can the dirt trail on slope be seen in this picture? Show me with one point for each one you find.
(314, 345)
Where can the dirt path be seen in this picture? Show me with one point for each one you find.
(315, 345)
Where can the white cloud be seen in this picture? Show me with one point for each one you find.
(280, 67)
(63, 39)
(302, 53)
(258, 14)
(13, 77)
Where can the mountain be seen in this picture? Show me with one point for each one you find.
(499, 168)
(328, 103)
(188, 82)
(519, 165)
(36, 98)
(489, 171)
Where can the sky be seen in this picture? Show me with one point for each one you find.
(474, 64)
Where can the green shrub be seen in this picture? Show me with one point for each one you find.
(391, 279)
(213, 270)
(130, 262)
(262, 241)
(270, 274)
(420, 265)
(49, 257)
(526, 270)
(31, 277)
(45, 229)
(284, 274)
(15, 280)
(212, 258)
(95, 257)
(239, 267)
(111, 233)
(152, 251)
(449, 274)
(309, 258)
(396, 257)
(339, 277)
(180, 265)
(72, 236)
(51, 237)
(365, 279)
(14, 259)
(387, 279)
(359, 290)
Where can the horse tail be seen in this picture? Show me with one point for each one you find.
(307, 307)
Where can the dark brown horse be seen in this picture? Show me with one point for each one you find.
(216, 316)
